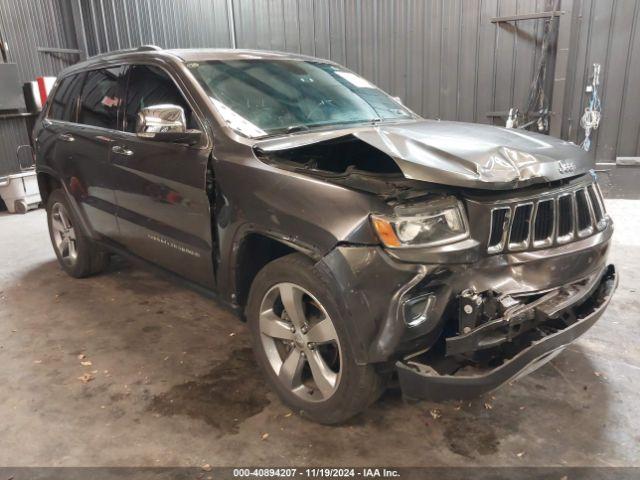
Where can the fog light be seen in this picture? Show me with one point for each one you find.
(416, 310)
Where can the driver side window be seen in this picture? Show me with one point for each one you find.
(149, 86)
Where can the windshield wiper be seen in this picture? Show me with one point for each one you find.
(297, 128)
(290, 129)
(312, 126)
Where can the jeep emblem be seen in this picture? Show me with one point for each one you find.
(566, 167)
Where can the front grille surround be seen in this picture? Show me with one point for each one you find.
(554, 218)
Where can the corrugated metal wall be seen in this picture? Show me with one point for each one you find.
(444, 58)
(13, 132)
(25, 26)
(606, 32)
(117, 24)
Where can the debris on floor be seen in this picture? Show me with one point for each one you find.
(86, 377)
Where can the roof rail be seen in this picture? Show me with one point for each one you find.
(141, 48)
(148, 48)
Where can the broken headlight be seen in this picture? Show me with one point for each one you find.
(436, 223)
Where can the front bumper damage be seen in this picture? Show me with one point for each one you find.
(375, 286)
(455, 321)
(532, 333)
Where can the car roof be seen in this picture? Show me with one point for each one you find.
(203, 54)
(184, 55)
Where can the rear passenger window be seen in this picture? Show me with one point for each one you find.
(149, 86)
(101, 98)
(64, 104)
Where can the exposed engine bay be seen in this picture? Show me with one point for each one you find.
(350, 162)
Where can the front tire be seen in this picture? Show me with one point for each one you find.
(77, 254)
(302, 346)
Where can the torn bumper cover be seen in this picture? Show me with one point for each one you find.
(571, 310)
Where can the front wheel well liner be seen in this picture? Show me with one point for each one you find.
(47, 183)
(254, 252)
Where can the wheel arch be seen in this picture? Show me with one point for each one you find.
(47, 183)
(253, 251)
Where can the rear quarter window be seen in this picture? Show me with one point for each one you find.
(64, 104)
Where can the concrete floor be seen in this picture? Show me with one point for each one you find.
(175, 383)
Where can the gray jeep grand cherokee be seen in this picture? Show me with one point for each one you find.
(362, 243)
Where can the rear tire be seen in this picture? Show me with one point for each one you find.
(304, 350)
(77, 254)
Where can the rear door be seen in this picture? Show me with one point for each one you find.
(163, 208)
(84, 147)
(57, 126)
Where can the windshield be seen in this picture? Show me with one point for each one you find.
(265, 97)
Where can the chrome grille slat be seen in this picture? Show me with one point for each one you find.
(552, 219)
(500, 220)
(598, 207)
(584, 215)
(520, 231)
(565, 206)
(544, 223)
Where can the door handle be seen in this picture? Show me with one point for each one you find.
(118, 150)
(66, 137)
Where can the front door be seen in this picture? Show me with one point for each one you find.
(163, 208)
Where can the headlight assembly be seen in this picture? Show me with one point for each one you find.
(422, 225)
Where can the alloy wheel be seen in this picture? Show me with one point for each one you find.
(64, 235)
(300, 342)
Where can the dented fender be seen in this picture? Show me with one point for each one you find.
(370, 285)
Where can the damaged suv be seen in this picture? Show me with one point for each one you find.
(362, 243)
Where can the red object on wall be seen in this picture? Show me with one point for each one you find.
(43, 89)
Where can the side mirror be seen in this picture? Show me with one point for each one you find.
(398, 99)
(165, 123)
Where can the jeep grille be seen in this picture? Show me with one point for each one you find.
(546, 221)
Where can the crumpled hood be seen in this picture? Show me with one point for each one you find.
(462, 154)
